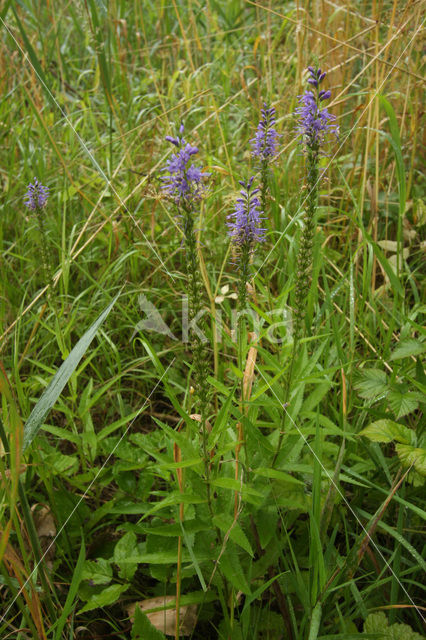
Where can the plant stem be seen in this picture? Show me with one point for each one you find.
(303, 277)
(198, 345)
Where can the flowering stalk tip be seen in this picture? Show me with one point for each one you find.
(184, 182)
(264, 144)
(36, 196)
(244, 222)
(314, 122)
(35, 199)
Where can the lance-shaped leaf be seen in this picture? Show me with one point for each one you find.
(60, 379)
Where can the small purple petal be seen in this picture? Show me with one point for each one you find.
(244, 222)
(314, 123)
(174, 141)
(184, 180)
(36, 196)
(264, 144)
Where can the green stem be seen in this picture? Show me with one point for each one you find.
(303, 277)
(198, 347)
(264, 186)
(47, 269)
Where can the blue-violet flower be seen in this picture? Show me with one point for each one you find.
(185, 181)
(264, 144)
(314, 123)
(36, 196)
(244, 226)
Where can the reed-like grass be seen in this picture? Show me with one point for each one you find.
(103, 499)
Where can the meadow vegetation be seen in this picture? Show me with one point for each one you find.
(258, 475)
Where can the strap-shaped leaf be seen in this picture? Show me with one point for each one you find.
(60, 379)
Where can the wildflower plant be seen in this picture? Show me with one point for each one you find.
(245, 231)
(314, 126)
(265, 147)
(183, 183)
(36, 200)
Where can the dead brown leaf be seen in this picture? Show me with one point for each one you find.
(165, 619)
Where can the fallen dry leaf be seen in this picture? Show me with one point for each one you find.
(165, 619)
(197, 417)
(46, 531)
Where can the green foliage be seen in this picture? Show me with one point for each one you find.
(142, 628)
(377, 623)
(285, 512)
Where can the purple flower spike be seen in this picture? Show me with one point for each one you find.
(314, 123)
(264, 144)
(244, 222)
(184, 182)
(36, 196)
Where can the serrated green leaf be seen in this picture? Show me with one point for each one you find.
(377, 623)
(402, 403)
(230, 565)
(125, 547)
(232, 528)
(105, 597)
(408, 347)
(97, 571)
(412, 456)
(387, 430)
(372, 383)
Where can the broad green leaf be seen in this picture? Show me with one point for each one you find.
(408, 347)
(402, 402)
(61, 464)
(163, 557)
(387, 430)
(372, 383)
(124, 548)
(277, 475)
(235, 485)
(183, 464)
(377, 623)
(60, 379)
(230, 566)
(232, 528)
(97, 571)
(172, 530)
(175, 497)
(142, 628)
(412, 456)
(105, 597)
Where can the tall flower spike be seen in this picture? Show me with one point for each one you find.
(184, 182)
(36, 196)
(244, 226)
(314, 123)
(264, 144)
